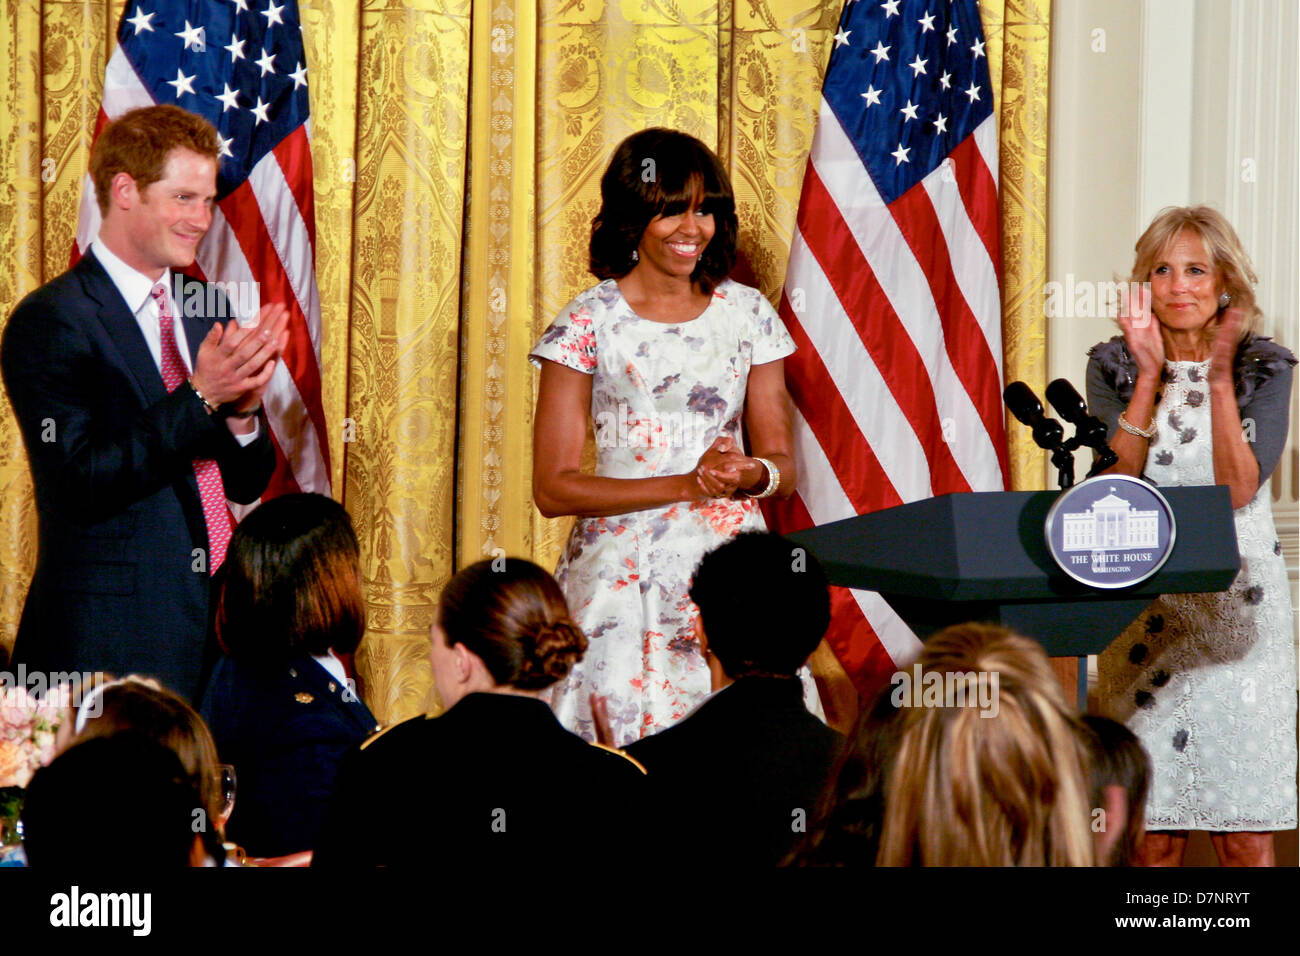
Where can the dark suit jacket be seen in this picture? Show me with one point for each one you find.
(737, 781)
(285, 732)
(117, 503)
(495, 780)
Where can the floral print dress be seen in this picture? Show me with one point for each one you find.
(661, 393)
(1208, 681)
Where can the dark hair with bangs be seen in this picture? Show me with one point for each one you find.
(660, 172)
(292, 582)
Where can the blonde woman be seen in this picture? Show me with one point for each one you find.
(1206, 681)
(1003, 784)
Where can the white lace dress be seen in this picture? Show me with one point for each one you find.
(1208, 681)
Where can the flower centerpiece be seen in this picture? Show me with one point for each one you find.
(29, 728)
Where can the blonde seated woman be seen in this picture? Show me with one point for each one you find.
(1000, 780)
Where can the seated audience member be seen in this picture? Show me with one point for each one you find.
(994, 777)
(280, 704)
(122, 801)
(141, 706)
(1121, 773)
(495, 778)
(846, 831)
(739, 779)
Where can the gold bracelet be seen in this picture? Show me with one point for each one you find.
(1149, 434)
(773, 480)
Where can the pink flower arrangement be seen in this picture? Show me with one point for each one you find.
(28, 731)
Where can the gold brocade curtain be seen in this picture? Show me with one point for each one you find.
(562, 85)
(1018, 44)
(457, 148)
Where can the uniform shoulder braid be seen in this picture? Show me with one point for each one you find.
(408, 723)
(619, 753)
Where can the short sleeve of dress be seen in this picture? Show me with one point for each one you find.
(771, 339)
(570, 340)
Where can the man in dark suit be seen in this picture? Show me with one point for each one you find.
(738, 780)
(140, 418)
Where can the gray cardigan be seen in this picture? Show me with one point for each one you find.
(1262, 373)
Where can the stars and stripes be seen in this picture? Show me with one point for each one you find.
(241, 65)
(892, 291)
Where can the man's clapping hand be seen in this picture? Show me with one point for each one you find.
(235, 364)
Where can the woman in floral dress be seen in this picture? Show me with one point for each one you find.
(667, 359)
(1206, 681)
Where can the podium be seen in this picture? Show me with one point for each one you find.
(982, 556)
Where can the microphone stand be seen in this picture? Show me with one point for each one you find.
(1063, 459)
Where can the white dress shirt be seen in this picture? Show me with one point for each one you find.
(136, 289)
(332, 665)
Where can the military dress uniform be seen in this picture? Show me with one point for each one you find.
(285, 730)
(495, 779)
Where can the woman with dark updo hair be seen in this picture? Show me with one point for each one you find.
(495, 778)
(680, 371)
(281, 706)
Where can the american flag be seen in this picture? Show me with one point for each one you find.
(892, 291)
(240, 64)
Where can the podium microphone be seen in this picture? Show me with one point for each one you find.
(1089, 430)
(1067, 401)
(1029, 411)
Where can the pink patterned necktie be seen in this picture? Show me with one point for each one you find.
(211, 491)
